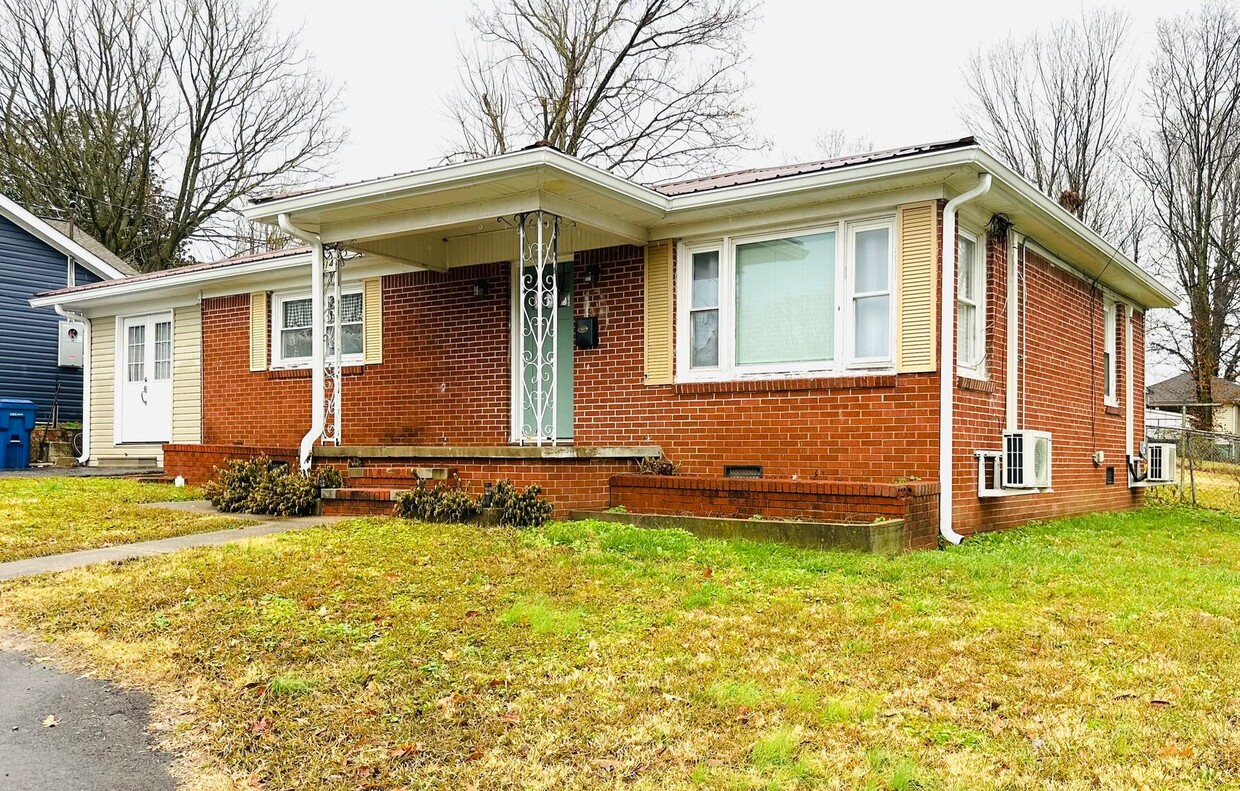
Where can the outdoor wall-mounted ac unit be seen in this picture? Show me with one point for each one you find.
(1160, 457)
(1026, 460)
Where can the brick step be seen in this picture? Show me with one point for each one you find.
(359, 501)
(369, 477)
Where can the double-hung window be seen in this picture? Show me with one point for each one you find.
(291, 329)
(810, 301)
(1109, 324)
(970, 307)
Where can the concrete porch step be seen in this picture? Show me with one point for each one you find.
(368, 477)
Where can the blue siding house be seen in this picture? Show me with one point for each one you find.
(39, 255)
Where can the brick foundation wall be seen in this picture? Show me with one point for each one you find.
(197, 463)
(826, 501)
(566, 483)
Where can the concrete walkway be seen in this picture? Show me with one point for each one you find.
(71, 560)
(62, 732)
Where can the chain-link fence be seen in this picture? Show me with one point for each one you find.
(1208, 462)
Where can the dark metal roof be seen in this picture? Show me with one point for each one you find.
(180, 270)
(754, 175)
(1181, 390)
(702, 184)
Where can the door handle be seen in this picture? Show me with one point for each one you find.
(143, 394)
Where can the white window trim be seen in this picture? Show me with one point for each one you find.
(278, 360)
(964, 369)
(850, 295)
(843, 364)
(1110, 325)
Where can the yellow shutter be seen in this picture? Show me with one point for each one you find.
(658, 318)
(917, 261)
(258, 331)
(372, 327)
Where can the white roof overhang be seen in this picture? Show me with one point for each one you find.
(462, 214)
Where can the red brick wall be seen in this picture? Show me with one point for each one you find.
(446, 380)
(198, 463)
(827, 501)
(1062, 393)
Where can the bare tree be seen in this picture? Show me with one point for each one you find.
(839, 142)
(147, 122)
(1054, 106)
(639, 87)
(1189, 161)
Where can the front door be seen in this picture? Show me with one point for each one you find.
(144, 349)
(527, 426)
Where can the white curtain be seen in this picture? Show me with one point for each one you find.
(785, 300)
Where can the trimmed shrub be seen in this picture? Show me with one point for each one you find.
(259, 486)
(229, 491)
(525, 508)
(437, 504)
(330, 478)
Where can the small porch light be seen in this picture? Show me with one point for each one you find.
(488, 495)
(482, 288)
(590, 275)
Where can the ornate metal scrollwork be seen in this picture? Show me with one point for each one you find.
(538, 235)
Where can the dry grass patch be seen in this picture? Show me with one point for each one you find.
(1101, 652)
(48, 516)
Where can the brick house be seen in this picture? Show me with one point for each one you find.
(775, 332)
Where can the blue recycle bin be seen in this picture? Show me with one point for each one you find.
(16, 423)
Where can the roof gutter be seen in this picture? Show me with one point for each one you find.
(947, 355)
(318, 390)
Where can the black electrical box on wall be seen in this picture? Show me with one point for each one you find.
(585, 332)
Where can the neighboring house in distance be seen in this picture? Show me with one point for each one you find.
(1179, 393)
(778, 333)
(37, 255)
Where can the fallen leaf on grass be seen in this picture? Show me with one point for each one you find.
(1160, 703)
(1175, 751)
(403, 751)
(50, 721)
(262, 725)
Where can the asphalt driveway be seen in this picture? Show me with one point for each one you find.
(98, 739)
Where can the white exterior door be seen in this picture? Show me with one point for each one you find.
(144, 402)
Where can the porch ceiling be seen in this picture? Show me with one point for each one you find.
(463, 214)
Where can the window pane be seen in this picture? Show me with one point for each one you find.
(706, 279)
(163, 351)
(351, 339)
(967, 270)
(136, 343)
(785, 300)
(966, 338)
(873, 320)
(297, 313)
(705, 339)
(873, 259)
(350, 308)
(295, 343)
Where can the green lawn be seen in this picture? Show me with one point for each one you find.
(1100, 652)
(47, 516)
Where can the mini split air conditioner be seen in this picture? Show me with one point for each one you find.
(1026, 460)
(1160, 457)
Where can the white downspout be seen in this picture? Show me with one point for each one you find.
(318, 394)
(86, 354)
(1129, 421)
(1013, 332)
(947, 355)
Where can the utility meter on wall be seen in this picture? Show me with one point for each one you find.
(71, 344)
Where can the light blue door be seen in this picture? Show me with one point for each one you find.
(563, 344)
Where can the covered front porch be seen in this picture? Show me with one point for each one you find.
(516, 225)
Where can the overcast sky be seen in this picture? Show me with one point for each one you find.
(889, 70)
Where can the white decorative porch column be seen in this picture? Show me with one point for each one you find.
(333, 263)
(538, 234)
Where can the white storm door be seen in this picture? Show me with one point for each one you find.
(144, 407)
